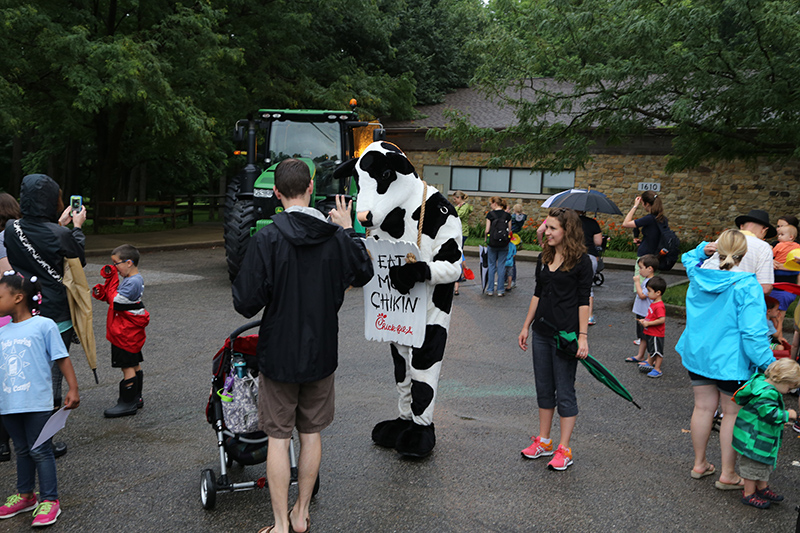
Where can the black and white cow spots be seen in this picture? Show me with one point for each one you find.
(394, 223)
(437, 211)
(385, 167)
(389, 200)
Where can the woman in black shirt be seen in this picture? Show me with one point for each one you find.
(560, 302)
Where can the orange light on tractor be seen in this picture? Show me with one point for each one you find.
(353, 102)
(240, 152)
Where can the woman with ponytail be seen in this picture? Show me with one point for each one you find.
(648, 224)
(725, 341)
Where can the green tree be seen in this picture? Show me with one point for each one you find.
(719, 76)
(104, 95)
(431, 40)
(114, 83)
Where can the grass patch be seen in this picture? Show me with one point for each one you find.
(201, 215)
(676, 295)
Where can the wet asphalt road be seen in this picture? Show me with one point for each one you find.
(631, 470)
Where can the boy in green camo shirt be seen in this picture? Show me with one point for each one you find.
(758, 428)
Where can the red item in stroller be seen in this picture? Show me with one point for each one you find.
(242, 448)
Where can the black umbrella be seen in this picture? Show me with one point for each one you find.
(586, 200)
(568, 343)
(483, 253)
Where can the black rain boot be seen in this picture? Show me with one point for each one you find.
(126, 404)
(139, 379)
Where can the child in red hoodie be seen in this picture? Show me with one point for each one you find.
(125, 325)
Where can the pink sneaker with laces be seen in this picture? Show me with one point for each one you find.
(537, 449)
(17, 504)
(562, 459)
(46, 513)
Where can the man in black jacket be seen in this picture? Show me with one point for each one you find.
(298, 269)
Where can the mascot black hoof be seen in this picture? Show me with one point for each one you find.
(385, 433)
(416, 441)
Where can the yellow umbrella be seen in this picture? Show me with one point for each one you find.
(80, 307)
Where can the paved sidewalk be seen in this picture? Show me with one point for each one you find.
(209, 235)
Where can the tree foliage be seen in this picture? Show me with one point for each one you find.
(719, 76)
(100, 93)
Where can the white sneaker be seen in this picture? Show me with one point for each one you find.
(637, 342)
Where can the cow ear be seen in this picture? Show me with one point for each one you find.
(399, 163)
(346, 169)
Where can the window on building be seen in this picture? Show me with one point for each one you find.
(510, 180)
(465, 179)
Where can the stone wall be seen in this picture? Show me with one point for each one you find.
(699, 203)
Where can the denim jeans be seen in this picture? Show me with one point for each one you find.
(24, 429)
(497, 266)
(554, 375)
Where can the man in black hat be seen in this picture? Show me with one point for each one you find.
(758, 259)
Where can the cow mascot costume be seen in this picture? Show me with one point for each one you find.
(390, 201)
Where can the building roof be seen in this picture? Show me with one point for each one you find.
(485, 110)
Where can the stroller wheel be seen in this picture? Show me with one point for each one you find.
(208, 489)
(599, 279)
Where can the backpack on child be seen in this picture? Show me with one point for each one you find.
(498, 232)
(668, 247)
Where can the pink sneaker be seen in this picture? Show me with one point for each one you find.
(562, 459)
(537, 449)
(17, 504)
(46, 513)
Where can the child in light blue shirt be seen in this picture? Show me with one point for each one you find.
(29, 346)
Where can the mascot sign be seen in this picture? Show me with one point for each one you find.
(388, 314)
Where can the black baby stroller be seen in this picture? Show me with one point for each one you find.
(242, 448)
(598, 276)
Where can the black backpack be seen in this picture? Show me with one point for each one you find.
(669, 247)
(498, 232)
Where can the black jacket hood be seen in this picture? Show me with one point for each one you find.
(39, 197)
(301, 229)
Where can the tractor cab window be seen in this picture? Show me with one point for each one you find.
(320, 141)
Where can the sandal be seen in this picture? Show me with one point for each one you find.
(266, 529)
(455, 292)
(633, 360)
(707, 472)
(739, 485)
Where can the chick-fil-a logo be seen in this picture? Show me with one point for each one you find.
(380, 323)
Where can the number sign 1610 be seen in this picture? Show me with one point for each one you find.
(655, 187)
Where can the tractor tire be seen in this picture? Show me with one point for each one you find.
(239, 218)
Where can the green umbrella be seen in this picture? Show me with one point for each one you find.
(568, 343)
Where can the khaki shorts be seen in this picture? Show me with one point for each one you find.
(754, 470)
(284, 406)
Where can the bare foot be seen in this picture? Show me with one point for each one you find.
(292, 522)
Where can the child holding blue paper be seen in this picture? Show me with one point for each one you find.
(28, 346)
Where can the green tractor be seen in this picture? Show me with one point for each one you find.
(322, 139)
